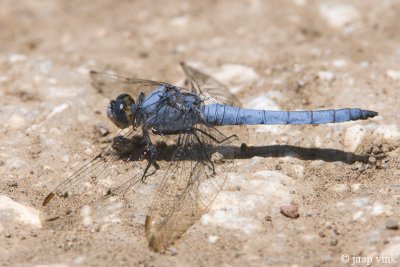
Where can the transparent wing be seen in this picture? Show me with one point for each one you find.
(199, 168)
(210, 90)
(111, 85)
(94, 194)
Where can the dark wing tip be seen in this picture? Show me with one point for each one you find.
(47, 199)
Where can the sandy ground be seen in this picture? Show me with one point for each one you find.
(297, 54)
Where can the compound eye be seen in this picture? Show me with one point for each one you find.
(120, 111)
(126, 99)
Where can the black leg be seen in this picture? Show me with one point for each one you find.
(149, 153)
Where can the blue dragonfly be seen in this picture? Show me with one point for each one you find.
(199, 162)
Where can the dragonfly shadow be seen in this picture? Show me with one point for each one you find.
(165, 152)
(303, 153)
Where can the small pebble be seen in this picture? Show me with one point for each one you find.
(336, 231)
(392, 224)
(375, 150)
(393, 74)
(213, 238)
(372, 160)
(340, 188)
(358, 215)
(172, 251)
(17, 121)
(326, 75)
(355, 187)
(379, 208)
(236, 73)
(356, 166)
(14, 58)
(339, 15)
(385, 148)
(392, 250)
(290, 211)
(359, 202)
(101, 129)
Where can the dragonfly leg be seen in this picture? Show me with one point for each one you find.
(203, 151)
(149, 153)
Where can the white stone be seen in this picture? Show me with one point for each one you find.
(364, 64)
(299, 170)
(83, 70)
(300, 2)
(262, 102)
(85, 214)
(179, 21)
(23, 214)
(359, 202)
(355, 187)
(339, 16)
(78, 260)
(52, 81)
(326, 75)
(358, 215)
(14, 58)
(271, 129)
(392, 250)
(45, 66)
(235, 73)
(213, 238)
(339, 63)
(4, 79)
(393, 74)
(379, 209)
(340, 204)
(15, 163)
(16, 121)
(339, 188)
(353, 137)
(237, 209)
(388, 131)
(309, 237)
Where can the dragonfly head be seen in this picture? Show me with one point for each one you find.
(119, 111)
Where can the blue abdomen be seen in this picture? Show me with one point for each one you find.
(217, 114)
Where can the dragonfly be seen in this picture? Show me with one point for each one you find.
(200, 160)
